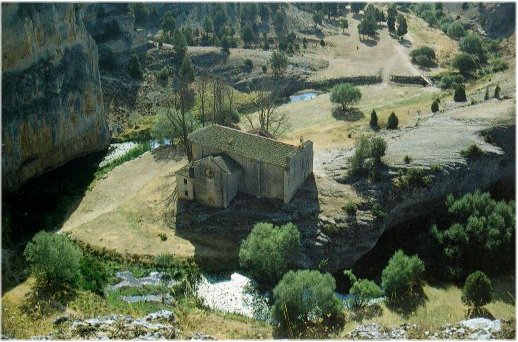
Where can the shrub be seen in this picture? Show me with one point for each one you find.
(465, 62)
(279, 63)
(264, 68)
(471, 152)
(374, 120)
(451, 81)
(460, 94)
(498, 64)
(481, 230)
(367, 156)
(162, 237)
(402, 275)
(364, 290)
(54, 260)
(164, 260)
(94, 275)
(456, 30)
(135, 69)
(345, 94)
(471, 44)
(350, 207)
(407, 159)
(486, 95)
(423, 56)
(412, 178)
(392, 121)
(267, 251)
(162, 75)
(435, 106)
(477, 290)
(305, 304)
(249, 65)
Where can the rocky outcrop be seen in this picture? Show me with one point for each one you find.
(499, 21)
(113, 28)
(52, 107)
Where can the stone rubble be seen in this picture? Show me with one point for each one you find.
(155, 326)
(128, 280)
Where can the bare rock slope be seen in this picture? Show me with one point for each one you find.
(52, 108)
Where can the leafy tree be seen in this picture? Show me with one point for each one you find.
(264, 13)
(305, 304)
(430, 18)
(279, 62)
(140, 12)
(179, 46)
(187, 33)
(435, 106)
(367, 156)
(367, 26)
(249, 12)
(356, 7)
(497, 91)
(219, 20)
(392, 11)
(345, 94)
(268, 251)
(402, 275)
(247, 34)
(486, 95)
(344, 24)
(460, 94)
(280, 21)
(391, 23)
(318, 17)
(392, 121)
(168, 23)
(364, 290)
(471, 44)
(465, 62)
(186, 71)
(225, 45)
(402, 27)
(451, 81)
(481, 231)
(456, 30)
(54, 260)
(477, 290)
(135, 69)
(322, 42)
(208, 25)
(374, 119)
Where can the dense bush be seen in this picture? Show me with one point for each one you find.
(402, 276)
(135, 69)
(460, 94)
(497, 91)
(268, 251)
(497, 64)
(451, 81)
(465, 63)
(423, 56)
(392, 121)
(471, 152)
(94, 275)
(364, 290)
(54, 260)
(305, 304)
(477, 290)
(473, 45)
(345, 94)
(411, 178)
(456, 30)
(435, 106)
(367, 156)
(279, 62)
(481, 232)
(350, 207)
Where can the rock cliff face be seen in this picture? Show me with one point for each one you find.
(52, 107)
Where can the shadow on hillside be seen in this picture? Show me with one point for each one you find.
(407, 305)
(351, 114)
(43, 203)
(216, 233)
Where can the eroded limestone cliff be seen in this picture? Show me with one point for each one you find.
(52, 106)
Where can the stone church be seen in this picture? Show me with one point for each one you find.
(227, 161)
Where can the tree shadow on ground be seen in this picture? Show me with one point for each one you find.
(367, 312)
(407, 305)
(479, 312)
(405, 42)
(351, 114)
(504, 289)
(167, 153)
(370, 42)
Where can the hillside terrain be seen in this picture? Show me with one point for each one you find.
(102, 89)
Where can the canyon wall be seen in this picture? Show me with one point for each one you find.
(52, 105)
